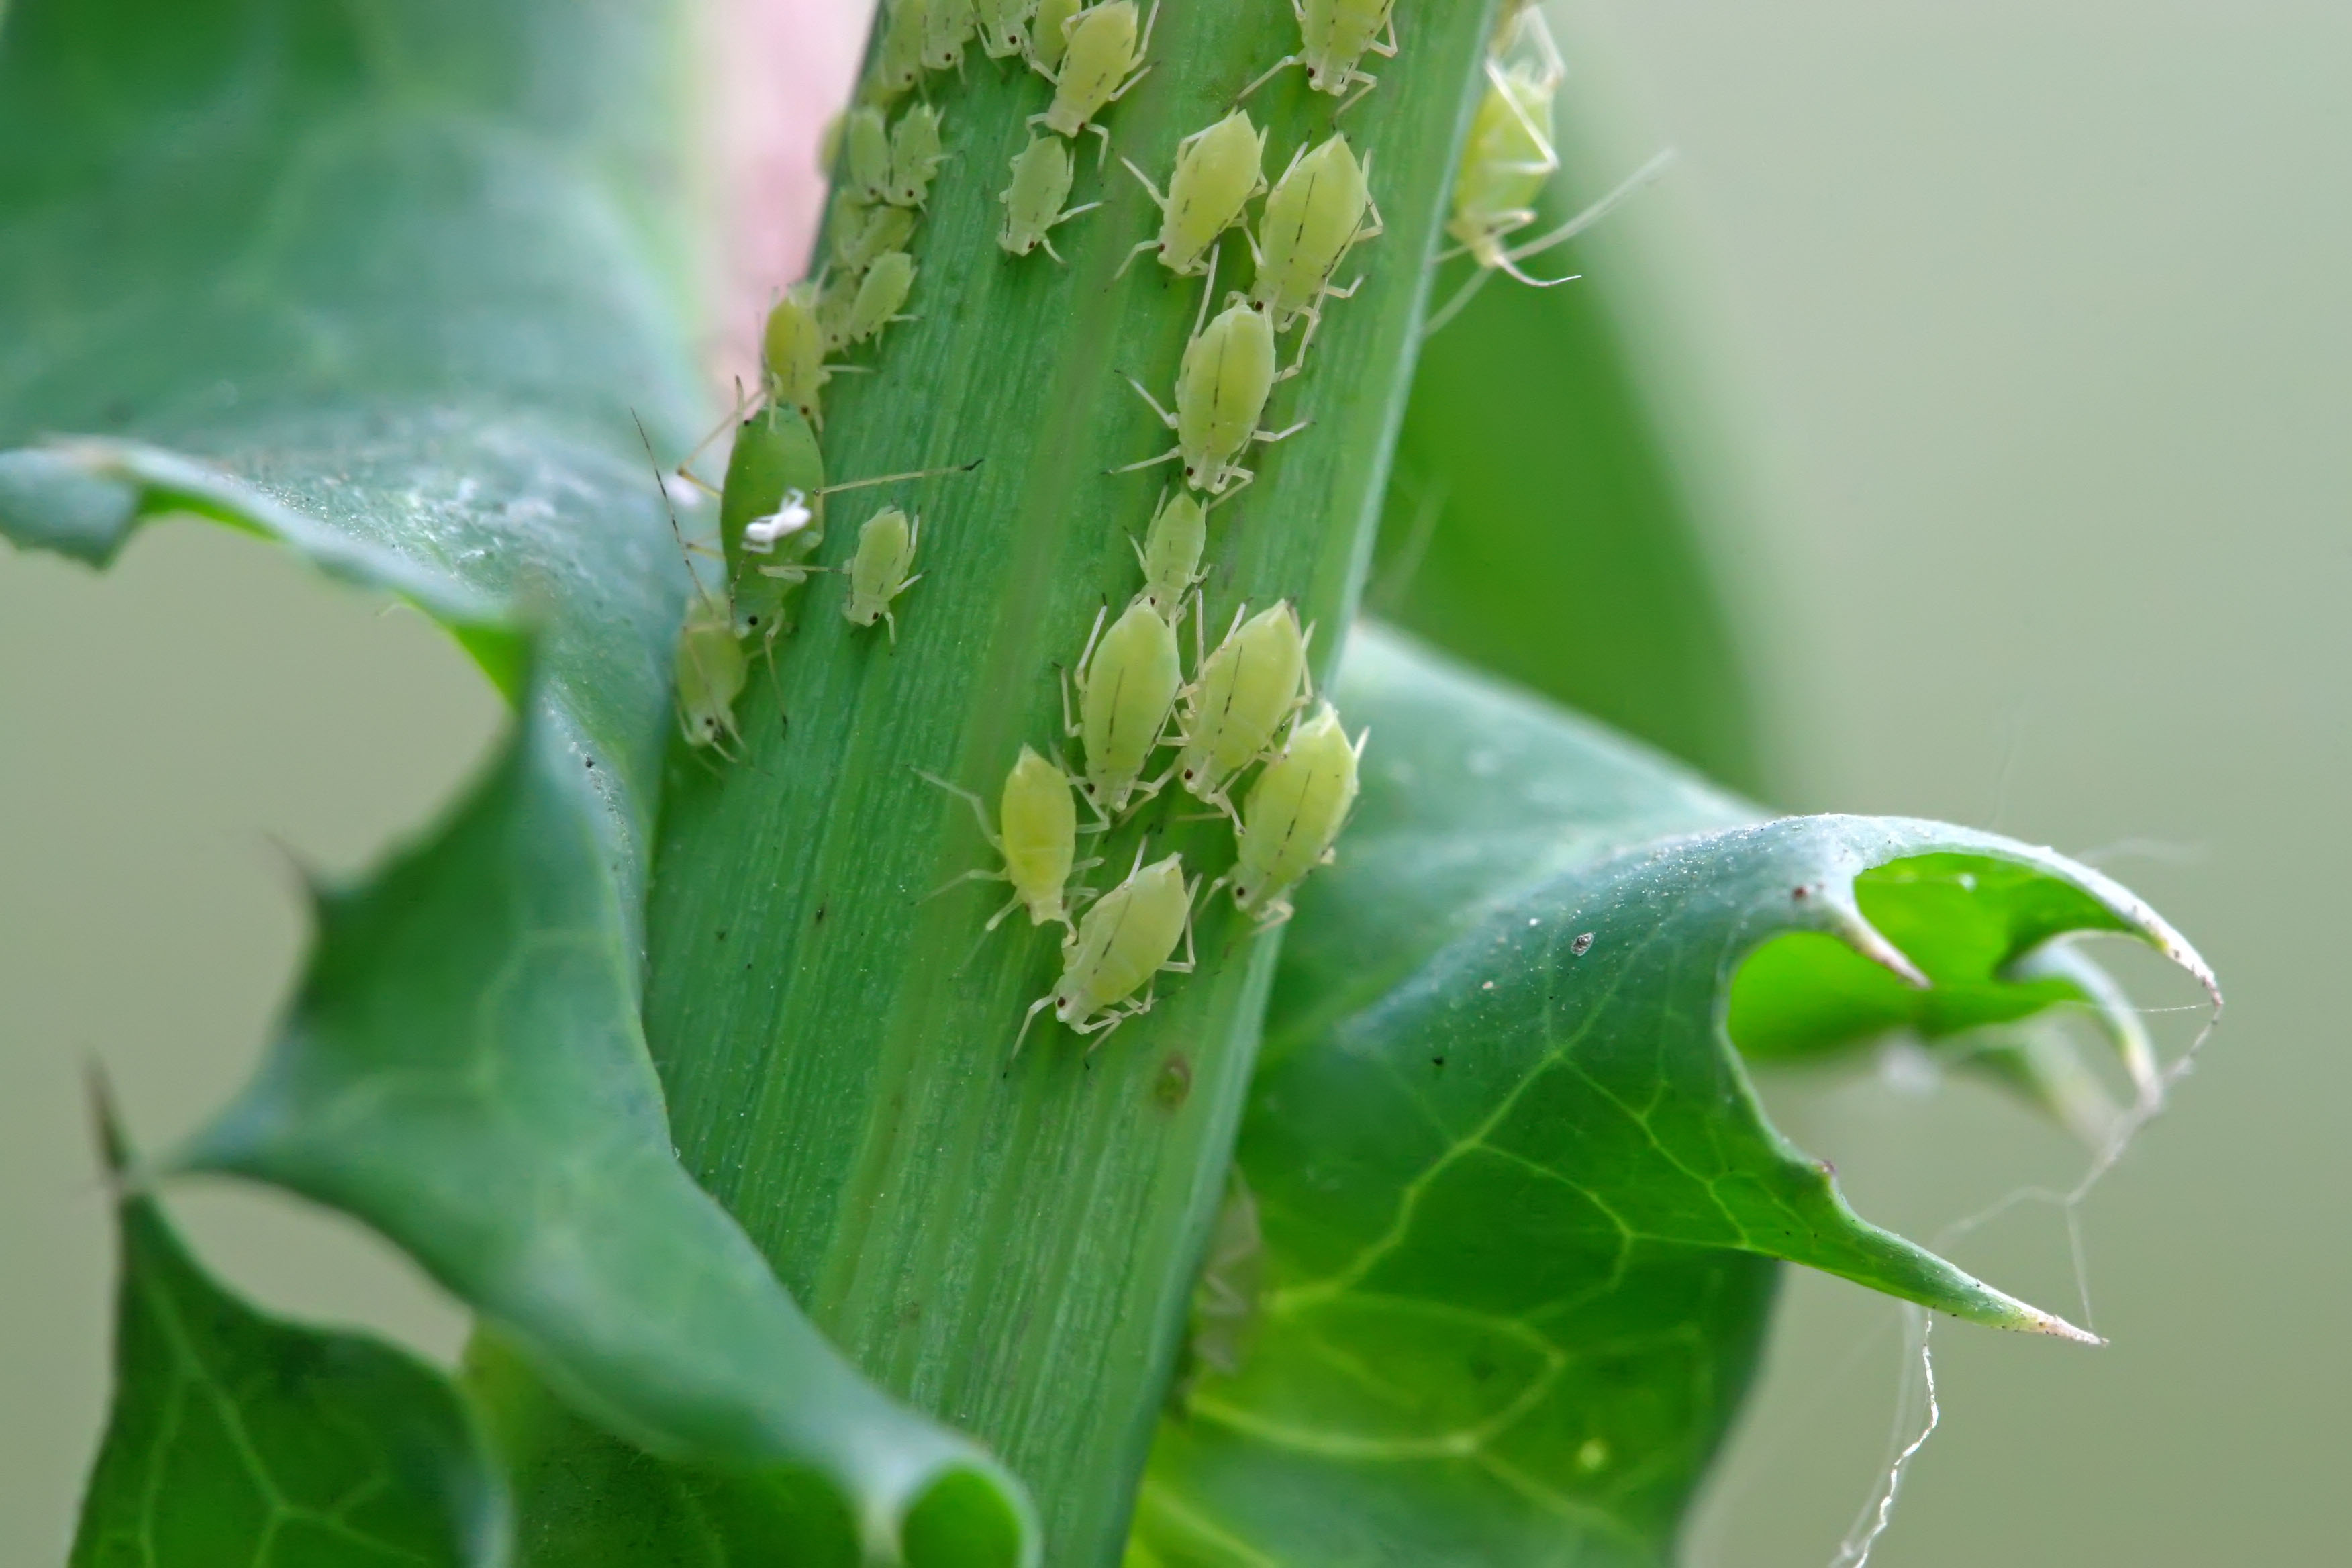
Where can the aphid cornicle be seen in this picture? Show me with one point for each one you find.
(1227, 374)
(947, 26)
(1292, 813)
(1218, 170)
(1049, 33)
(1319, 210)
(1032, 202)
(1239, 696)
(915, 157)
(878, 571)
(1333, 37)
(1127, 679)
(1004, 26)
(879, 294)
(866, 139)
(792, 354)
(1103, 58)
(1127, 938)
(1038, 844)
(1170, 554)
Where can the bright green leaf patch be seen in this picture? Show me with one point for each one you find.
(384, 283)
(237, 1438)
(1516, 1193)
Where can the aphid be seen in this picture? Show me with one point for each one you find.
(1038, 845)
(1004, 26)
(879, 294)
(1103, 58)
(898, 62)
(1049, 33)
(1127, 938)
(1319, 210)
(1032, 202)
(710, 671)
(1221, 390)
(947, 26)
(1127, 679)
(1240, 695)
(1171, 554)
(1294, 811)
(860, 233)
(1218, 170)
(1333, 35)
(877, 573)
(792, 354)
(866, 139)
(836, 297)
(915, 157)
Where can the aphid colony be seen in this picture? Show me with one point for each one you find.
(1243, 736)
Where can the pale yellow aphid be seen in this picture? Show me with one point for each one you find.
(1333, 36)
(915, 157)
(1049, 33)
(1004, 26)
(710, 672)
(947, 26)
(791, 352)
(859, 233)
(1032, 202)
(1127, 938)
(1320, 209)
(866, 137)
(1239, 696)
(1218, 170)
(1292, 814)
(1127, 679)
(879, 294)
(1039, 843)
(1171, 554)
(1505, 162)
(898, 62)
(878, 571)
(1221, 390)
(1103, 58)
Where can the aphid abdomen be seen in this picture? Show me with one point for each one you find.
(1221, 390)
(1040, 829)
(1294, 811)
(1032, 202)
(1238, 699)
(1140, 935)
(791, 352)
(1126, 687)
(915, 157)
(1505, 162)
(1217, 172)
(878, 571)
(710, 671)
(775, 450)
(868, 139)
(1049, 37)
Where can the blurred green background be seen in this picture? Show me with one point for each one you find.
(2028, 329)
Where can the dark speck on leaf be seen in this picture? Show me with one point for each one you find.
(1799, 892)
(722, 933)
(1437, 1061)
(820, 915)
(1581, 945)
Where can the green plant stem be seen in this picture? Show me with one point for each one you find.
(1011, 1245)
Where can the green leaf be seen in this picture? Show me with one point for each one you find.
(383, 283)
(236, 1437)
(1517, 1194)
(1556, 504)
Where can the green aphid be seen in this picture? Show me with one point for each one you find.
(859, 233)
(1171, 554)
(1038, 845)
(1102, 59)
(1333, 37)
(866, 138)
(1128, 679)
(915, 157)
(1049, 33)
(710, 671)
(1004, 26)
(1239, 696)
(898, 61)
(1128, 937)
(881, 292)
(1032, 202)
(770, 517)
(878, 571)
(1292, 815)
(947, 26)
(1222, 387)
(1319, 210)
(792, 354)
(1218, 170)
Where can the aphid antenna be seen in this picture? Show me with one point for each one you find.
(895, 479)
(980, 814)
(1208, 289)
(1165, 418)
(1028, 1018)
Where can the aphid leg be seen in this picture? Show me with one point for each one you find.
(1102, 153)
(1388, 50)
(980, 814)
(1370, 82)
(1267, 437)
(1272, 72)
(1165, 418)
(1453, 307)
(1600, 209)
